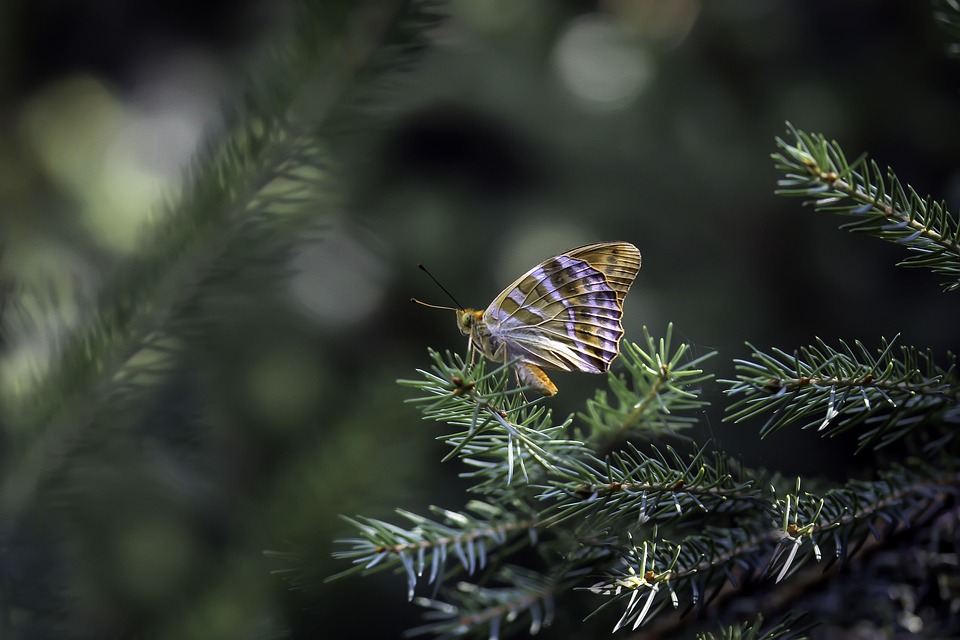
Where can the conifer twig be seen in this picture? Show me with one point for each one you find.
(891, 393)
(658, 392)
(817, 169)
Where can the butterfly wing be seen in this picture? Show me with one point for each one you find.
(619, 262)
(565, 312)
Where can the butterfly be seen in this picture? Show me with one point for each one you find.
(562, 314)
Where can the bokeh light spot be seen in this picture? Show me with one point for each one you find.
(337, 281)
(533, 241)
(602, 63)
(112, 156)
(669, 23)
(153, 556)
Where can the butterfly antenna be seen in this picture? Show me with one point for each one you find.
(432, 306)
(442, 288)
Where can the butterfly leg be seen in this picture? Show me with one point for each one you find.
(533, 376)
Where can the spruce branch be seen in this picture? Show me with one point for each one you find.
(580, 499)
(469, 536)
(656, 394)
(495, 612)
(773, 541)
(890, 393)
(791, 627)
(699, 565)
(584, 513)
(647, 569)
(632, 486)
(503, 432)
(880, 205)
(845, 517)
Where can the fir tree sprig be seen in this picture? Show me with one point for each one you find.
(647, 569)
(698, 566)
(773, 541)
(468, 536)
(791, 627)
(890, 393)
(501, 431)
(570, 497)
(657, 392)
(527, 599)
(818, 170)
(845, 517)
(635, 486)
(603, 514)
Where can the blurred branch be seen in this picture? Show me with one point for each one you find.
(947, 16)
(251, 194)
(118, 424)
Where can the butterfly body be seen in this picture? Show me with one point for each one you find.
(563, 314)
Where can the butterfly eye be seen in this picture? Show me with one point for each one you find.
(466, 319)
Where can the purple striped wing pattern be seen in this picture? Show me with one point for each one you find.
(564, 313)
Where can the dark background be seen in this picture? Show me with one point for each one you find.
(529, 128)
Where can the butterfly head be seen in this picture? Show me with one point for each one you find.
(467, 319)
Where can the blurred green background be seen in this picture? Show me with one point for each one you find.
(528, 128)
